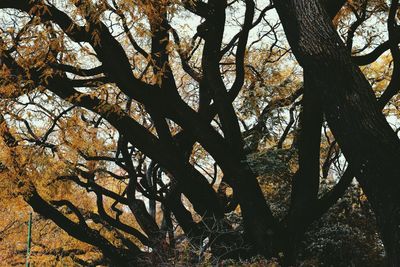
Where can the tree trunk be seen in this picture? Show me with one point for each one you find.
(367, 140)
(305, 183)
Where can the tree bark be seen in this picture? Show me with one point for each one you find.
(305, 182)
(367, 140)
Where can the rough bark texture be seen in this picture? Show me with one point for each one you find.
(367, 140)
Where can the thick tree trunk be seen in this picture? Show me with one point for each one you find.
(367, 140)
(305, 183)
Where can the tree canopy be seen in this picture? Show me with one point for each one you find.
(200, 132)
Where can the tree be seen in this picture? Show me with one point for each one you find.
(125, 129)
(369, 143)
